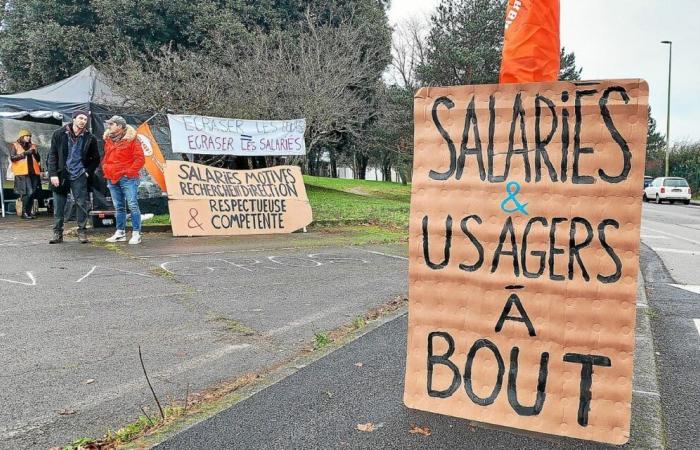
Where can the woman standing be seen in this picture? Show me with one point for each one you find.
(25, 166)
(121, 165)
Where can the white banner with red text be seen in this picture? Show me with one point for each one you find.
(220, 136)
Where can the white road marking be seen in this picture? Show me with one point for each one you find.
(697, 324)
(305, 321)
(651, 236)
(693, 289)
(671, 235)
(87, 274)
(675, 250)
(32, 280)
(387, 255)
(653, 394)
(252, 250)
(91, 271)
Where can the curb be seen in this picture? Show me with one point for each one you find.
(267, 381)
(647, 430)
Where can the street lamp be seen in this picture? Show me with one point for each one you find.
(668, 104)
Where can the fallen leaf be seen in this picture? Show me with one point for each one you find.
(90, 381)
(415, 429)
(366, 427)
(359, 364)
(66, 412)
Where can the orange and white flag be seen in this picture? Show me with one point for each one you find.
(155, 162)
(531, 45)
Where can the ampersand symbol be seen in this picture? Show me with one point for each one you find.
(513, 189)
(194, 223)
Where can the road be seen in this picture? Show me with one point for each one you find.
(673, 233)
(202, 310)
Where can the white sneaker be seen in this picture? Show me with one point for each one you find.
(119, 236)
(135, 238)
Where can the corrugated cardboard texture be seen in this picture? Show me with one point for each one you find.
(206, 201)
(576, 316)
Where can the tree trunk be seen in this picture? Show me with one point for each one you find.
(386, 171)
(334, 165)
(361, 162)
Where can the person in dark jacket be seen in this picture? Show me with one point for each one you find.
(25, 166)
(72, 162)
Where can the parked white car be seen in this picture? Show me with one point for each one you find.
(671, 189)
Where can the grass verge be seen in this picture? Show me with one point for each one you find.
(370, 212)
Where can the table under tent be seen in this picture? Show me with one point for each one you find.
(45, 109)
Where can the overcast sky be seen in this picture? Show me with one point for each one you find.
(621, 39)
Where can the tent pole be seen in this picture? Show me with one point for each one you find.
(2, 190)
(152, 117)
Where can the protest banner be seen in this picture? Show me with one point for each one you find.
(154, 160)
(220, 136)
(524, 254)
(207, 201)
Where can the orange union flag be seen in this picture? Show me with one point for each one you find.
(531, 45)
(155, 163)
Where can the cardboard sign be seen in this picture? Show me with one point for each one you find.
(524, 254)
(206, 201)
(220, 136)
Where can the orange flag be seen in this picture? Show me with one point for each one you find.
(531, 45)
(155, 162)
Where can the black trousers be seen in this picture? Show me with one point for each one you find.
(78, 188)
(28, 202)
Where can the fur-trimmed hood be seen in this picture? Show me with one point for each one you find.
(130, 134)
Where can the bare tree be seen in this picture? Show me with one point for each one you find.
(408, 51)
(321, 74)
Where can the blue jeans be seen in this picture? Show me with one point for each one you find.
(125, 191)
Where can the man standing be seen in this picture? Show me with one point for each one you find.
(72, 162)
(25, 166)
(121, 165)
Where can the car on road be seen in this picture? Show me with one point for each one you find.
(647, 181)
(670, 189)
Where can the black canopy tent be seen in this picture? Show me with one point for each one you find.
(87, 90)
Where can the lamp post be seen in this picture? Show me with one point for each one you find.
(668, 104)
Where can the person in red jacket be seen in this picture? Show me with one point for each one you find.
(121, 165)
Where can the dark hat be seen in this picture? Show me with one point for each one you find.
(119, 120)
(81, 112)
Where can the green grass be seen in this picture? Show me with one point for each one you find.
(359, 322)
(335, 205)
(321, 340)
(161, 219)
(376, 189)
(338, 203)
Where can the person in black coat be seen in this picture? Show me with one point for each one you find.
(72, 162)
